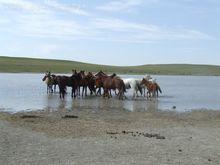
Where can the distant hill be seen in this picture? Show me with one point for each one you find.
(17, 64)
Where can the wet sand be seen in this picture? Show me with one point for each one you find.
(110, 137)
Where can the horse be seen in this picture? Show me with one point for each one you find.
(87, 81)
(152, 88)
(114, 82)
(91, 82)
(49, 82)
(151, 79)
(99, 79)
(134, 84)
(70, 81)
(55, 82)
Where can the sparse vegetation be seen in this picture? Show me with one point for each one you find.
(17, 64)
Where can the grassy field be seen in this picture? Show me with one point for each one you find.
(16, 65)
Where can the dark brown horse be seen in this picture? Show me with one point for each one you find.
(152, 88)
(114, 82)
(91, 82)
(69, 81)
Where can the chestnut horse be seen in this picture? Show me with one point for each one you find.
(152, 88)
(99, 80)
(114, 82)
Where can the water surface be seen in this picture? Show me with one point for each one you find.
(23, 92)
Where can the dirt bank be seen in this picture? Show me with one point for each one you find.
(110, 137)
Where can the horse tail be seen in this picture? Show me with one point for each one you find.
(158, 88)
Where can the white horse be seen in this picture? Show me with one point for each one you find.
(134, 84)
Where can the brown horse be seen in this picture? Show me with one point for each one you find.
(99, 80)
(87, 81)
(152, 88)
(91, 82)
(114, 82)
(72, 81)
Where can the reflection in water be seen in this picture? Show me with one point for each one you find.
(141, 105)
(98, 104)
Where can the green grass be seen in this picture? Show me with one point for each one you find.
(16, 65)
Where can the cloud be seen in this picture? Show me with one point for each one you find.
(21, 5)
(41, 7)
(48, 26)
(42, 19)
(74, 9)
(122, 5)
(121, 30)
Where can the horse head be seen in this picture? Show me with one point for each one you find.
(47, 74)
(74, 71)
(143, 82)
(113, 75)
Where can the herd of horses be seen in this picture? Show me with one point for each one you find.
(100, 84)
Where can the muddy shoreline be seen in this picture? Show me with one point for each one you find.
(110, 137)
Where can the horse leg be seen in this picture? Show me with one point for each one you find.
(148, 94)
(110, 93)
(120, 93)
(51, 87)
(133, 95)
(105, 91)
(99, 91)
(85, 90)
(72, 92)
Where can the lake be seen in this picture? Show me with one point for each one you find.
(24, 92)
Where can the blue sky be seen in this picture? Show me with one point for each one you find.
(115, 32)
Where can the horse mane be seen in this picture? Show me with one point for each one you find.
(100, 73)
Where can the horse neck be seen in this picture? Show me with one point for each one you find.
(47, 80)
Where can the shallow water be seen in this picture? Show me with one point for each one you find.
(23, 92)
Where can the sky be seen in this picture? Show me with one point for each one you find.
(112, 32)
